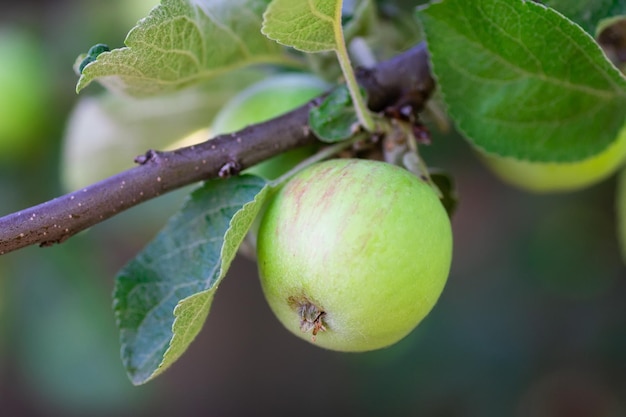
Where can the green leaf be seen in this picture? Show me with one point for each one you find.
(520, 80)
(335, 119)
(588, 13)
(163, 296)
(105, 132)
(183, 42)
(621, 211)
(309, 26)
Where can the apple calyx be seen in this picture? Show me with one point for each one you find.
(311, 316)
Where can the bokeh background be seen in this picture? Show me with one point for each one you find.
(531, 323)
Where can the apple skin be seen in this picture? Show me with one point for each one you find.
(265, 100)
(353, 254)
(541, 177)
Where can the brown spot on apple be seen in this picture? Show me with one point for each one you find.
(311, 316)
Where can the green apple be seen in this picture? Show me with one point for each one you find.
(25, 92)
(554, 177)
(265, 100)
(353, 254)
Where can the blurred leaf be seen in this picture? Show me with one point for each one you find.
(163, 296)
(621, 212)
(309, 26)
(588, 13)
(520, 80)
(335, 119)
(183, 42)
(106, 132)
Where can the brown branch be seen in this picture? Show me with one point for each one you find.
(404, 78)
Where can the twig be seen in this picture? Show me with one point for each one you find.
(403, 79)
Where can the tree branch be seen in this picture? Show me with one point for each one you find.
(405, 78)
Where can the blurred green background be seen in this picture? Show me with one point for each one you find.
(531, 323)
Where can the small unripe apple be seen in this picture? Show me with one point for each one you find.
(25, 92)
(265, 100)
(559, 177)
(353, 254)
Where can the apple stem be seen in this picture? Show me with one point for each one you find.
(362, 111)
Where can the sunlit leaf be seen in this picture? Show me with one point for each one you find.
(184, 42)
(310, 26)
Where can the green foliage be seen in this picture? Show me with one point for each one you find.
(163, 296)
(335, 119)
(182, 43)
(520, 80)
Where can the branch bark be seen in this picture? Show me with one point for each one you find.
(405, 78)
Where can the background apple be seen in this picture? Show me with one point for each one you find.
(263, 101)
(354, 253)
(26, 94)
(554, 177)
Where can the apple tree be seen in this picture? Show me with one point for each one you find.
(302, 127)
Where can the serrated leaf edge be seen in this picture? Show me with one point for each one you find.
(619, 92)
(226, 261)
